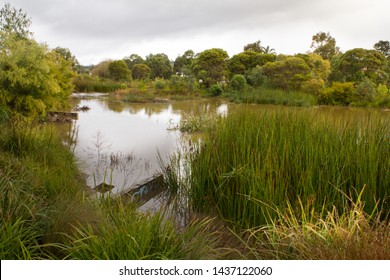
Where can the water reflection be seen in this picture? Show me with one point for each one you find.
(121, 144)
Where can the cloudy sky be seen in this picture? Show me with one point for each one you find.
(95, 30)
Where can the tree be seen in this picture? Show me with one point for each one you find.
(160, 66)
(101, 70)
(183, 63)
(141, 71)
(357, 64)
(288, 73)
(247, 60)
(254, 47)
(210, 66)
(32, 78)
(324, 45)
(132, 60)
(14, 21)
(119, 71)
(383, 47)
(238, 82)
(67, 55)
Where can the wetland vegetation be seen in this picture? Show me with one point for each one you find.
(249, 181)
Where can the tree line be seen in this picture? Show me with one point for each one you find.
(34, 78)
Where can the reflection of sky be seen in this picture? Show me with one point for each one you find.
(128, 132)
(139, 130)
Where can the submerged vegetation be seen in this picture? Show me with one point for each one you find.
(276, 183)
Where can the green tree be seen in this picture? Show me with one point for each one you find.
(254, 47)
(210, 66)
(132, 60)
(357, 64)
(160, 66)
(101, 69)
(238, 82)
(324, 45)
(183, 63)
(383, 47)
(14, 21)
(32, 78)
(247, 60)
(288, 73)
(119, 71)
(141, 72)
(68, 56)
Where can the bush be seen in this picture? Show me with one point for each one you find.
(338, 93)
(159, 84)
(365, 91)
(215, 90)
(255, 77)
(238, 82)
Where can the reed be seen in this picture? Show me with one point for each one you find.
(351, 234)
(258, 160)
(266, 95)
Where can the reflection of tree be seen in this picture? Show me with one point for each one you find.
(114, 106)
(148, 108)
(195, 107)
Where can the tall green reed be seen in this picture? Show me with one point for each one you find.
(257, 160)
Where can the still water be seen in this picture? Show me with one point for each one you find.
(122, 143)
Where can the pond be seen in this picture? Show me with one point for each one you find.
(122, 144)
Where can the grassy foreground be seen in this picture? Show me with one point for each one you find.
(297, 183)
(278, 184)
(46, 212)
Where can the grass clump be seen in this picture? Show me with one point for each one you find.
(284, 155)
(333, 235)
(265, 95)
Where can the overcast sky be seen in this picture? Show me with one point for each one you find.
(95, 30)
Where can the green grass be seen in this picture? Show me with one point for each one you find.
(257, 160)
(266, 95)
(46, 211)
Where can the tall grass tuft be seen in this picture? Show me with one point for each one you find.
(126, 233)
(257, 160)
(350, 234)
(265, 95)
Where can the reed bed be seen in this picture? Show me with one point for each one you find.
(259, 160)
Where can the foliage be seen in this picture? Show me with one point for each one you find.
(67, 55)
(338, 93)
(183, 64)
(357, 64)
(160, 66)
(132, 60)
(32, 78)
(159, 84)
(141, 71)
(14, 21)
(119, 71)
(320, 68)
(324, 45)
(255, 77)
(210, 66)
(238, 82)
(101, 70)
(88, 83)
(287, 73)
(215, 90)
(255, 161)
(182, 84)
(383, 47)
(245, 61)
(332, 235)
(266, 95)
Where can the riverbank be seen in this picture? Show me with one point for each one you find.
(47, 212)
(337, 210)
